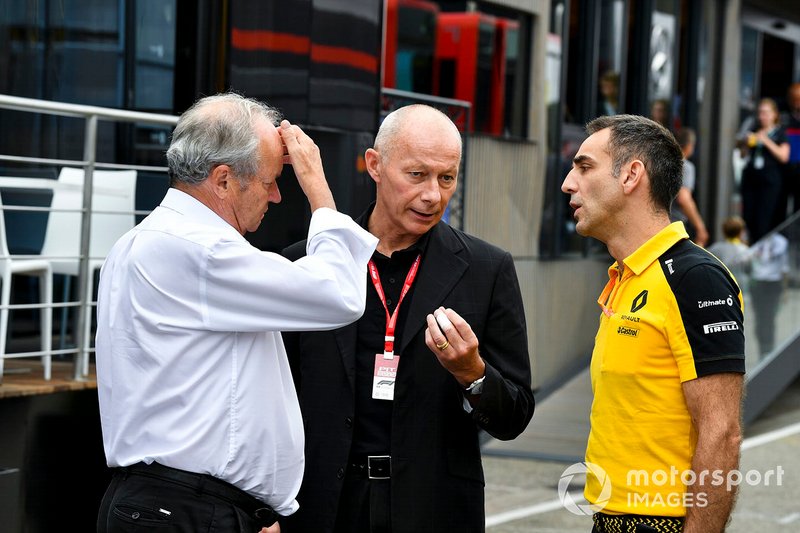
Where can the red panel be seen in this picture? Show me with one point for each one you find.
(390, 46)
(458, 41)
(337, 55)
(269, 40)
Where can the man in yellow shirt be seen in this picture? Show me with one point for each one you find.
(668, 362)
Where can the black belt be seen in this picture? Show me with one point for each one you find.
(373, 466)
(263, 514)
(630, 523)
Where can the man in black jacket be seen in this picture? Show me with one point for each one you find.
(393, 403)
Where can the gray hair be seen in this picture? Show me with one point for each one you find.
(396, 120)
(636, 137)
(218, 130)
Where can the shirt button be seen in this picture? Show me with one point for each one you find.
(340, 473)
(348, 422)
(388, 303)
(135, 515)
(391, 280)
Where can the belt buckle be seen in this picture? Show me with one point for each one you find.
(379, 466)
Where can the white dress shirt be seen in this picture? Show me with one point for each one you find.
(191, 368)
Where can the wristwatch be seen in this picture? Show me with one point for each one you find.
(476, 387)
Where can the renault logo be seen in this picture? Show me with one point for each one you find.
(640, 301)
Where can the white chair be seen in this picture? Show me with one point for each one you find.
(114, 192)
(10, 266)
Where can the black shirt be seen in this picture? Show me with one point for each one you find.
(373, 421)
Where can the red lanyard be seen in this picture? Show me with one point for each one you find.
(391, 321)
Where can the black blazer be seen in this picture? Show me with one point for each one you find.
(437, 476)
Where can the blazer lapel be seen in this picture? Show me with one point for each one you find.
(440, 270)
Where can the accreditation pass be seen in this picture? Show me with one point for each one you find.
(383, 378)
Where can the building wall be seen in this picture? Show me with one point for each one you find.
(503, 206)
(503, 190)
(504, 194)
(561, 313)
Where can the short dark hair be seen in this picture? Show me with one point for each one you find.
(732, 227)
(685, 136)
(636, 137)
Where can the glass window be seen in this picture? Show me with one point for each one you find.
(85, 52)
(416, 34)
(662, 63)
(155, 54)
(613, 43)
(748, 80)
(477, 53)
(79, 51)
(586, 64)
(70, 51)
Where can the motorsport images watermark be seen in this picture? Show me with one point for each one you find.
(585, 509)
(657, 479)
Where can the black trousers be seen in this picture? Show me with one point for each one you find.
(143, 498)
(766, 297)
(364, 505)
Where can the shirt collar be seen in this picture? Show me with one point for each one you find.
(655, 247)
(418, 247)
(186, 204)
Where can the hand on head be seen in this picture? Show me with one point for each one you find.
(302, 153)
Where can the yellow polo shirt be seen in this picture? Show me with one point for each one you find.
(673, 315)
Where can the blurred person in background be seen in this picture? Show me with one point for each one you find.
(733, 251)
(767, 283)
(791, 121)
(608, 103)
(684, 208)
(660, 112)
(767, 150)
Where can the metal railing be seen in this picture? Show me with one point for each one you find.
(772, 316)
(92, 115)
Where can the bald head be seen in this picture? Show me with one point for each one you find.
(412, 120)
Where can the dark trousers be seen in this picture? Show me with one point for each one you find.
(766, 296)
(364, 505)
(761, 195)
(142, 498)
(791, 183)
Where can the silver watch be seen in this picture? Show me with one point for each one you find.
(476, 387)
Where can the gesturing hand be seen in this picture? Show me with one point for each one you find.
(455, 345)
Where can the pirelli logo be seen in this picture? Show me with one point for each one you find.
(717, 327)
(628, 332)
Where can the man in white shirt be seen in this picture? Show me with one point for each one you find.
(199, 413)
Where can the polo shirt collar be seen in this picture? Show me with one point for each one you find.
(655, 247)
